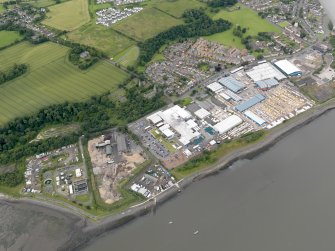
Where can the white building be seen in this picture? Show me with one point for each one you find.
(265, 71)
(177, 118)
(215, 87)
(228, 124)
(202, 113)
(288, 68)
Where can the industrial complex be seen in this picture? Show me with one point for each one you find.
(248, 99)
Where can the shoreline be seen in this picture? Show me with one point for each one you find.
(92, 230)
(113, 222)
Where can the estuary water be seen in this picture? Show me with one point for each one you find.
(283, 199)
(329, 6)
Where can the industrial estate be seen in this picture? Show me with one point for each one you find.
(111, 106)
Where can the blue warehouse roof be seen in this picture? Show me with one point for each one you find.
(250, 103)
(267, 83)
(232, 84)
(254, 117)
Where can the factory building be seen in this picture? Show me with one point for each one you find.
(267, 84)
(265, 71)
(288, 68)
(234, 96)
(258, 120)
(250, 103)
(228, 124)
(232, 84)
(215, 87)
(178, 119)
(202, 113)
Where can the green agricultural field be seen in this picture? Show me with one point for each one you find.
(51, 79)
(146, 24)
(69, 15)
(42, 3)
(102, 38)
(246, 18)
(1, 8)
(176, 8)
(9, 37)
(128, 57)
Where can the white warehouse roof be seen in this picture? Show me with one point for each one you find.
(215, 87)
(265, 71)
(288, 68)
(154, 118)
(168, 133)
(202, 113)
(176, 118)
(228, 124)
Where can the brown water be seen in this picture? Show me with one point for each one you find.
(282, 200)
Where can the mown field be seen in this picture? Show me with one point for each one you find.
(102, 38)
(51, 79)
(118, 40)
(9, 37)
(68, 15)
(246, 18)
(42, 3)
(128, 57)
(176, 8)
(146, 24)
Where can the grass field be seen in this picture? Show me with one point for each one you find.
(42, 3)
(51, 79)
(146, 24)
(177, 7)
(284, 24)
(8, 37)
(69, 15)
(128, 57)
(246, 18)
(102, 38)
(1, 8)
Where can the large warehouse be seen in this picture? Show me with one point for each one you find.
(176, 118)
(228, 124)
(232, 84)
(265, 71)
(288, 68)
(250, 103)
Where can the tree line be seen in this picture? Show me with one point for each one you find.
(197, 23)
(221, 3)
(96, 114)
(13, 72)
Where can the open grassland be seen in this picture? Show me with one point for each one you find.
(69, 15)
(102, 38)
(146, 24)
(1, 8)
(42, 3)
(246, 18)
(176, 8)
(128, 57)
(51, 80)
(8, 37)
(284, 24)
